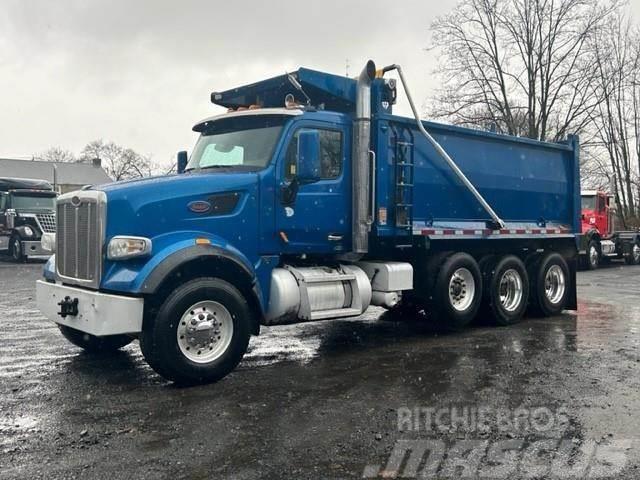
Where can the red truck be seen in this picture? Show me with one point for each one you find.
(600, 240)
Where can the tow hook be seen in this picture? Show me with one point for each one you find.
(68, 306)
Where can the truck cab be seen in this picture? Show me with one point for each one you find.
(27, 212)
(309, 200)
(600, 240)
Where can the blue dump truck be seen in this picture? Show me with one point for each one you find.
(310, 200)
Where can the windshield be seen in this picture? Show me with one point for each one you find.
(245, 142)
(589, 203)
(33, 202)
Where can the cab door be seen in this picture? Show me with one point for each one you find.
(316, 217)
(601, 214)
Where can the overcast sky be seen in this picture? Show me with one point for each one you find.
(140, 72)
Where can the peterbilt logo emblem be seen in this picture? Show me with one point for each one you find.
(75, 201)
(199, 206)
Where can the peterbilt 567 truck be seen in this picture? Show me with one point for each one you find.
(310, 200)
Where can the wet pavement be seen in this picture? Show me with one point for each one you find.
(325, 400)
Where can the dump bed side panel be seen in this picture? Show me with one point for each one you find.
(524, 181)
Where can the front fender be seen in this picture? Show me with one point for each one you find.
(141, 275)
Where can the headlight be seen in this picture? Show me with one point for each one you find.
(48, 242)
(120, 248)
(28, 231)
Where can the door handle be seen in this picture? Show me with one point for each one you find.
(334, 237)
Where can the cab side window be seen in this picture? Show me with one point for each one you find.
(3, 202)
(331, 154)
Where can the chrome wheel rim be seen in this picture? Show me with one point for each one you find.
(205, 331)
(554, 284)
(462, 289)
(636, 253)
(510, 290)
(593, 255)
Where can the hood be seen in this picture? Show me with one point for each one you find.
(153, 206)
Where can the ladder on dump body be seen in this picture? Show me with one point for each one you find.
(404, 182)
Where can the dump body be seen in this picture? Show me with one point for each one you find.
(528, 183)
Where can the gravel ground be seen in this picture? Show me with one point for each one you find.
(335, 399)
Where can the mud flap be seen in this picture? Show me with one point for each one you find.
(572, 300)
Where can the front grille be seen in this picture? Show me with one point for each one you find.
(47, 222)
(79, 239)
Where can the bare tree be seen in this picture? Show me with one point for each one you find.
(616, 120)
(119, 162)
(522, 65)
(56, 154)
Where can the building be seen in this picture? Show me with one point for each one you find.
(64, 176)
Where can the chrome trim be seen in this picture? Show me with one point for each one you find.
(361, 163)
(35, 217)
(101, 202)
(50, 219)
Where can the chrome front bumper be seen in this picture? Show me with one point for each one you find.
(98, 314)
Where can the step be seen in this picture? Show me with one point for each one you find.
(330, 278)
(336, 313)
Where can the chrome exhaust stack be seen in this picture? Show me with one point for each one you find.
(361, 170)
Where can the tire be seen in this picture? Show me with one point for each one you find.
(506, 290)
(592, 260)
(15, 249)
(549, 289)
(212, 308)
(456, 294)
(633, 258)
(93, 344)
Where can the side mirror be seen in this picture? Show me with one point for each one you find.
(182, 161)
(308, 168)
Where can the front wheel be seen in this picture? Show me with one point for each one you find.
(93, 344)
(200, 333)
